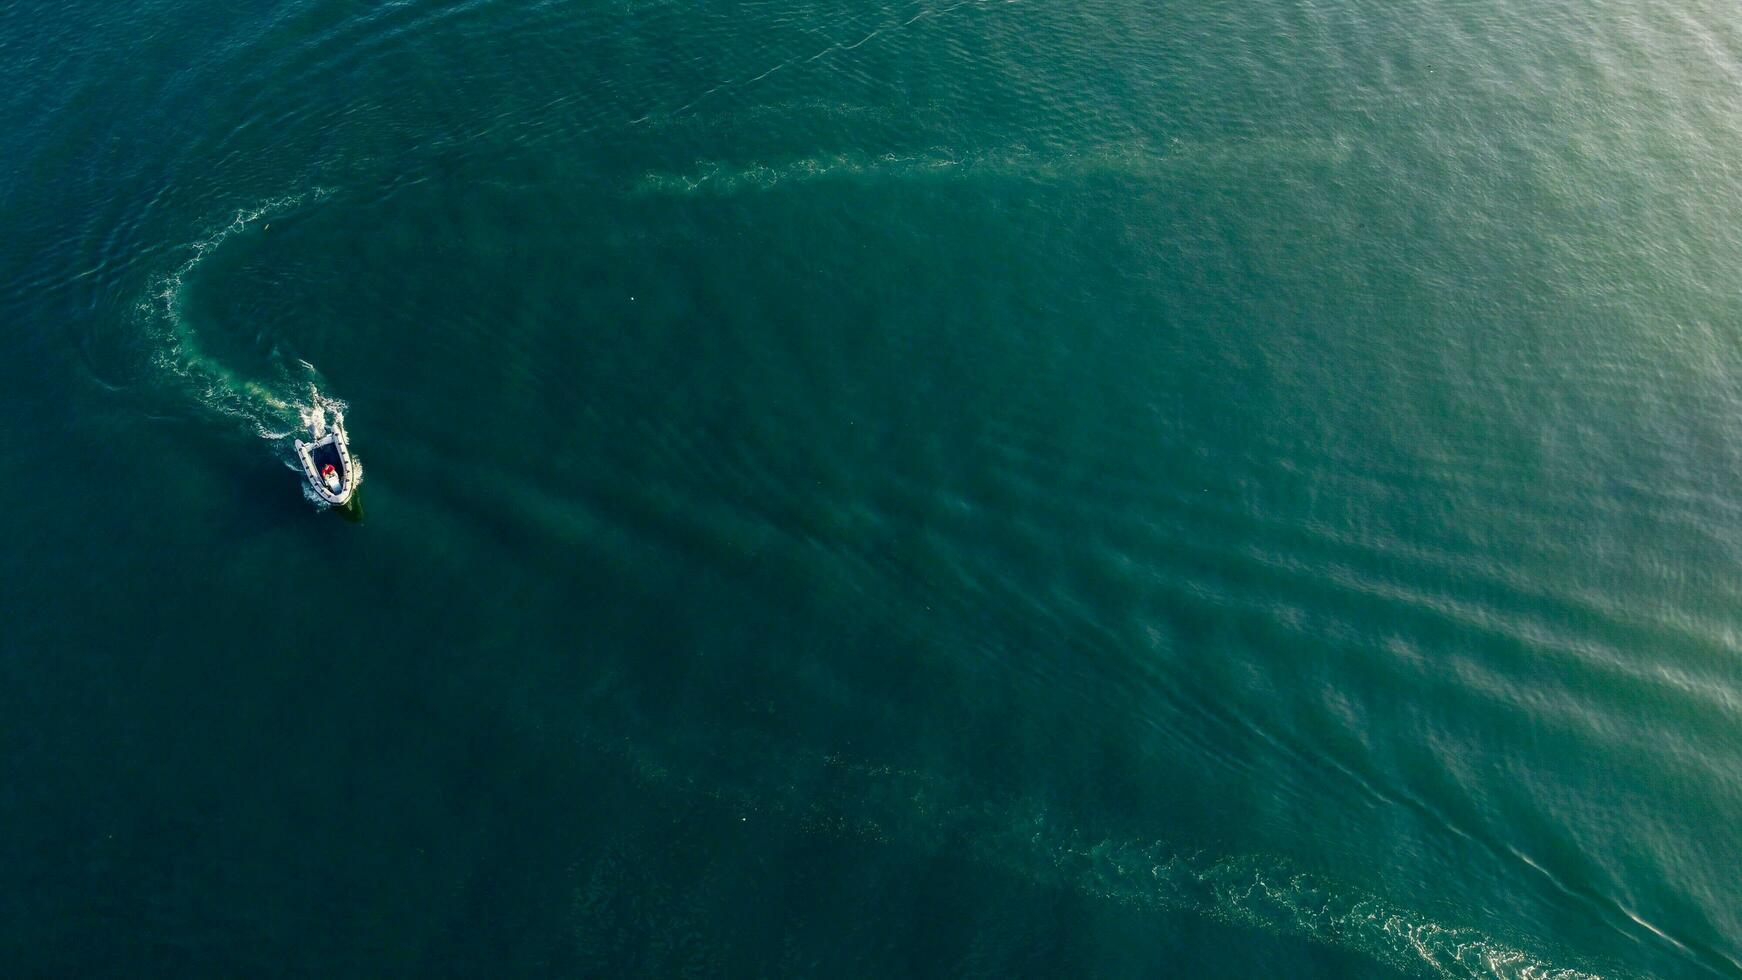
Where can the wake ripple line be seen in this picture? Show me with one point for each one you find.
(838, 46)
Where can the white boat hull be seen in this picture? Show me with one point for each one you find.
(329, 449)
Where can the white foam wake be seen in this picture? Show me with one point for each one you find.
(1139, 159)
(883, 804)
(270, 405)
(277, 403)
(1268, 894)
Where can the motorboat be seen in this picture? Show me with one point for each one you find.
(326, 460)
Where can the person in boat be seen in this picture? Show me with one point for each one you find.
(330, 476)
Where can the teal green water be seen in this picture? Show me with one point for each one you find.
(962, 488)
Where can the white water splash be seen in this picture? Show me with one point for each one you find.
(321, 413)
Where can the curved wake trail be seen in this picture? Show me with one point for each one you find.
(887, 805)
(287, 399)
(267, 405)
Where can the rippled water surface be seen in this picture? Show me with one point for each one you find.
(877, 489)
